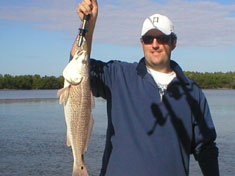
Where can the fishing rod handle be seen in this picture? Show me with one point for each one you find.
(83, 30)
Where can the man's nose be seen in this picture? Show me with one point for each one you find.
(155, 43)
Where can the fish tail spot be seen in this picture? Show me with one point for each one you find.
(82, 167)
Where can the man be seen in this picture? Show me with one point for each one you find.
(157, 116)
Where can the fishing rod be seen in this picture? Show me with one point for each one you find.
(83, 30)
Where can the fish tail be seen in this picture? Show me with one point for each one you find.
(79, 168)
(80, 171)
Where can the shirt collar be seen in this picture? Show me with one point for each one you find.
(142, 70)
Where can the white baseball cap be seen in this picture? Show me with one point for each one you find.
(159, 22)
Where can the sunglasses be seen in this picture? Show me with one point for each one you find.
(162, 39)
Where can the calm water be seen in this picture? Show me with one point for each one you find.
(32, 134)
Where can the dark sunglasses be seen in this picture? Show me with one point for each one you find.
(162, 39)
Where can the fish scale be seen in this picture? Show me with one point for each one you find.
(80, 105)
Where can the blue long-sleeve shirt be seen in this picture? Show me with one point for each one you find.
(147, 136)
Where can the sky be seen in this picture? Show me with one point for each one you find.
(36, 35)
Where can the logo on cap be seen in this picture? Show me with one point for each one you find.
(155, 19)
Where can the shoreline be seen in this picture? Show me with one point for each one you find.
(58, 89)
(27, 100)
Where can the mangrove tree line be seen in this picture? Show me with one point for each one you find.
(217, 80)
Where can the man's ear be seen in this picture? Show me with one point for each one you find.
(173, 45)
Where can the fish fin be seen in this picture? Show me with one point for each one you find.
(89, 132)
(64, 95)
(68, 143)
(60, 91)
(92, 101)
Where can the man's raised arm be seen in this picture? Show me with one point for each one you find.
(84, 8)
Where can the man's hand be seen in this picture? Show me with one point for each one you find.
(88, 7)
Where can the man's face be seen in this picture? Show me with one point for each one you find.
(157, 54)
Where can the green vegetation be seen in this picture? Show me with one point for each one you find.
(206, 80)
(217, 80)
(30, 82)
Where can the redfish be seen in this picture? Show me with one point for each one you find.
(78, 103)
